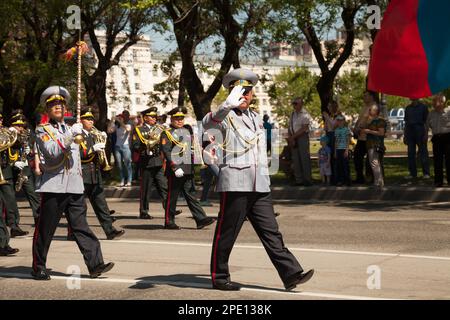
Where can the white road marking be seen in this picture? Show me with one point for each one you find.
(208, 245)
(202, 286)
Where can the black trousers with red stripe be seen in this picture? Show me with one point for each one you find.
(4, 235)
(184, 185)
(152, 177)
(74, 206)
(258, 208)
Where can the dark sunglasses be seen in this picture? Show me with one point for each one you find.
(247, 90)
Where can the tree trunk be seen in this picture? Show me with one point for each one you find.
(325, 90)
(96, 97)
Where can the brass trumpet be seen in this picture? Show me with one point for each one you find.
(100, 137)
(7, 139)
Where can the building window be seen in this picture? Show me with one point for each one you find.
(136, 72)
(138, 101)
(135, 54)
(137, 86)
(155, 72)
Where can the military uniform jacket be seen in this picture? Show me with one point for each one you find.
(90, 162)
(244, 165)
(59, 160)
(146, 160)
(16, 154)
(176, 147)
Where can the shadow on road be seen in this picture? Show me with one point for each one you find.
(144, 227)
(196, 281)
(24, 273)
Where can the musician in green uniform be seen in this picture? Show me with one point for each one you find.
(5, 249)
(21, 155)
(176, 145)
(93, 160)
(146, 139)
(10, 209)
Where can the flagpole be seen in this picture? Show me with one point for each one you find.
(79, 138)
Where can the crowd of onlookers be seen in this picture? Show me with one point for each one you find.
(369, 131)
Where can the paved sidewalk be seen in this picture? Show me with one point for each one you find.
(320, 193)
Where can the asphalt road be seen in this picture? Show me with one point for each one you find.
(358, 250)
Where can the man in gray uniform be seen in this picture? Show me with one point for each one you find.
(61, 187)
(244, 185)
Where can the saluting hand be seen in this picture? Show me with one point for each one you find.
(235, 98)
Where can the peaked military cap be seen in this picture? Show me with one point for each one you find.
(178, 112)
(86, 113)
(55, 93)
(152, 112)
(18, 118)
(240, 77)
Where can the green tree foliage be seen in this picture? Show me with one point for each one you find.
(32, 39)
(314, 20)
(350, 88)
(289, 84)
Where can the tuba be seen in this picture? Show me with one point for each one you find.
(152, 138)
(100, 137)
(8, 138)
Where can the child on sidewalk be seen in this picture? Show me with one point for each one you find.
(325, 161)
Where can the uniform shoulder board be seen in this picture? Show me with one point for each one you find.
(41, 127)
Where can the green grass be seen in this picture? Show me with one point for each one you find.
(396, 169)
(392, 147)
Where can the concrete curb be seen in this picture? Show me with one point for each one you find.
(318, 193)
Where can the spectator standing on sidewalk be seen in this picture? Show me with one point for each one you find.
(439, 123)
(325, 160)
(122, 151)
(375, 132)
(299, 142)
(370, 100)
(341, 152)
(330, 124)
(416, 136)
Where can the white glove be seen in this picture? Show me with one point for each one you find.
(12, 129)
(20, 165)
(99, 147)
(77, 129)
(27, 150)
(235, 99)
(179, 173)
(104, 134)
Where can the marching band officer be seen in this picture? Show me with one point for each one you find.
(244, 185)
(21, 155)
(146, 139)
(92, 176)
(176, 145)
(61, 187)
(10, 209)
(5, 249)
